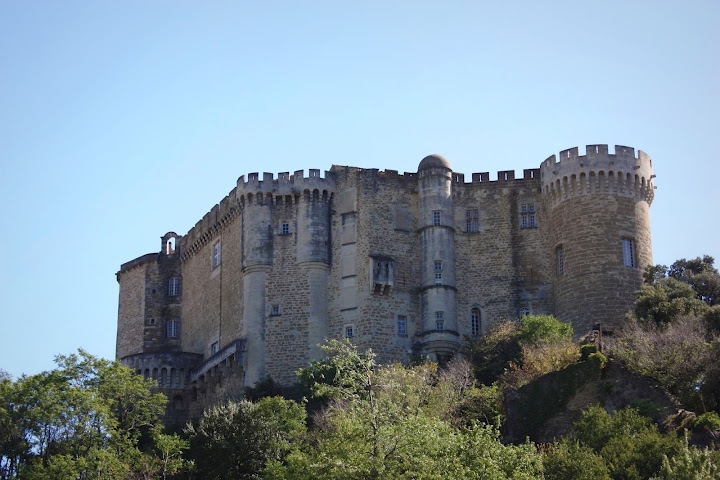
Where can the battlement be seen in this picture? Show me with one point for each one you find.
(502, 176)
(285, 184)
(598, 171)
(208, 227)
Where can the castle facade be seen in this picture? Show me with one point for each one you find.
(406, 264)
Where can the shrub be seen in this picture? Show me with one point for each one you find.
(586, 350)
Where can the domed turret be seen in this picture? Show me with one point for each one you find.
(434, 161)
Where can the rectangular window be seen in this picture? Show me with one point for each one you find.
(214, 348)
(174, 287)
(173, 329)
(439, 321)
(275, 310)
(438, 265)
(402, 325)
(475, 322)
(438, 279)
(560, 258)
(436, 217)
(628, 247)
(472, 220)
(217, 249)
(349, 331)
(285, 230)
(527, 216)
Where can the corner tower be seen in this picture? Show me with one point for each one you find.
(599, 234)
(436, 232)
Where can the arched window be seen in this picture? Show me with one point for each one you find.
(475, 319)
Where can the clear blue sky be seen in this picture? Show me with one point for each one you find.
(120, 121)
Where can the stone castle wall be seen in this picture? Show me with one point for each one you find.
(357, 252)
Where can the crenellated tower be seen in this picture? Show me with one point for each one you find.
(599, 235)
(312, 197)
(440, 337)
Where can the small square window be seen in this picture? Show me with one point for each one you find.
(436, 217)
(439, 325)
(438, 265)
(349, 331)
(275, 310)
(285, 229)
(216, 251)
(402, 325)
(524, 311)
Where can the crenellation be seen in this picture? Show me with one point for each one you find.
(406, 264)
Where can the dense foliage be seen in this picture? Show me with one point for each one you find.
(88, 418)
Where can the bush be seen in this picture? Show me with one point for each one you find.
(709, 420)
(569, 460)
(535, 329)
(586, 350)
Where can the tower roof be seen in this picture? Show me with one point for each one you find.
(434, 160)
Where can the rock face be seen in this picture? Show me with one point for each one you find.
(406, 264)
(545, 409)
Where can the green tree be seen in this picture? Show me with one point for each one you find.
(236, 439)
(86, 416)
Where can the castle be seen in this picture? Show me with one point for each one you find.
(406, 264)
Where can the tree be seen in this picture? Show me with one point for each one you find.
(687, 287)
(83, 419)
(236, 439)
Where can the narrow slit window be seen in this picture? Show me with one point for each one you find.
(628, 246)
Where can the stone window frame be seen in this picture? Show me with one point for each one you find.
(216, 258)
(528, 216)
(214, 348)
(629, 252)
(560, 260)
(472, 220)
(349, 330)
(275, 310)
(172, 329)
(523, 311)
(284, 228)
(436, 218)
(439, 320)
(174, 286)
(438, 278)
(402, 325)
(438, 266)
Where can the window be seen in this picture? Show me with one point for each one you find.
(527, 215)
(349, 331)
(217, 248)
(628, 246)
(438, 279)
(173, 329)
(524, 311)
(402, 325)
(285, 229)
(174, 287)
(438, 265)
(475, 322)
(214, 348)
(436, 217)
(472, 221)
(275, 310)
(439, 320)
(560, 258)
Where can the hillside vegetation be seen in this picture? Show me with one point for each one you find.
(523, 402)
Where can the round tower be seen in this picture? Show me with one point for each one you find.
(440, 337)
(313, 254)
(598, 208)
(257, 257)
